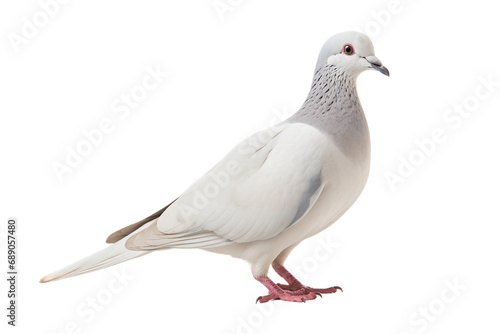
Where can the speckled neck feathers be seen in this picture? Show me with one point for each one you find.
(333, 107)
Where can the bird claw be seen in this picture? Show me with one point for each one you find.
(294, 291)
(286, 296)
(333, 289)
(306, 289)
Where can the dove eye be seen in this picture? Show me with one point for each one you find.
(348, 49)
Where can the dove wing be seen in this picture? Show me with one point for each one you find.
(263, 186)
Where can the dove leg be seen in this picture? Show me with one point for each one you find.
(275, 292)
(294, 284)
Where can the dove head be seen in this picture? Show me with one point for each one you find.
(350, 52)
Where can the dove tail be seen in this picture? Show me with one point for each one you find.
(107, 257)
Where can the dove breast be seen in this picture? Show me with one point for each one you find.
(342, 181)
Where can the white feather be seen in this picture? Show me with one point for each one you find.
(107, 257)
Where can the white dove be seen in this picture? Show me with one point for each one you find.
(275, 189)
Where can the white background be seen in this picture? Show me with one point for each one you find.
(393, 252)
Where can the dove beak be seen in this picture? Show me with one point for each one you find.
(382, 69)
(376, 64)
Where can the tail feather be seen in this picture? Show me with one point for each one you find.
(107, 257)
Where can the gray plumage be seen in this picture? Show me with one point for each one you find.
(333, 107)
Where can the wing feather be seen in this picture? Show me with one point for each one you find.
(263, 186)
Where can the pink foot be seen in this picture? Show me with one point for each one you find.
(275, 292)
(300, 287)
(295, 286)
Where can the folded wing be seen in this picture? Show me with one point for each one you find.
(263, 186)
